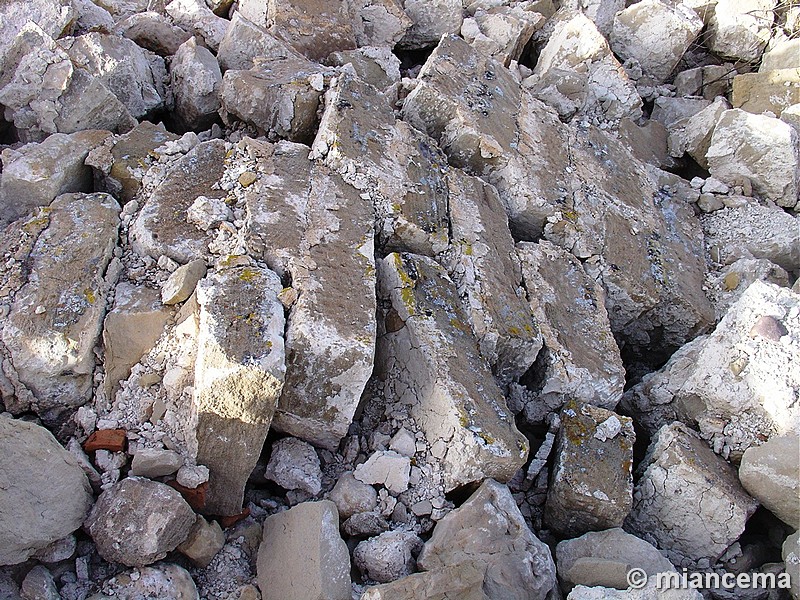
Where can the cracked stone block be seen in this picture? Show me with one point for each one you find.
(770, 474)
(740, 29)
(387, 468)
(601, 12)
(764, 149)
(320, 562)
(388, 556)
(162, 227)
(688, 501)
(278, 97)
(488, 528)
(56, 317)
(772, 91)
(245, 40)
(294, 465)
(580, 358)
(380, 22)
(134, 75)
(692, 135)
(239, 374)
(195, 17)
(463, 581)
(483, 265)
(502, 33)
(485, 124)
(196, 82)
(432, 364)
(656, 35)
(431, 19)
(153, 31)
(400, 169)
(34, 174)
(591, 481)
(738, 384)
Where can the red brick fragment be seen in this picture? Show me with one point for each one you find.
(195, 497)
(112, 440)
(231, 520)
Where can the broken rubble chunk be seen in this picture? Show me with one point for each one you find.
(196, 82)
(740, 29)
(688, 501)
(351, 496)
(53, 16)
(195, 16)
(430, 21)
(388, 556)
(770, 474)
(601, 12)
(182, 281)
(153, 31)
(163, 580)
(152, 463)
(767, 91)
(780, 54)
(693, 134)
(380, 22)
(245, 40)
(790, 552)
(463, 581)
(502, 33)
(376, 66)
(388, 469)
(294, 465)
(591, 481)
(205, 540)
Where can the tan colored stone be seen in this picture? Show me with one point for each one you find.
(772, 91)
(313, 27)
(245, 40)
(463, 581)
(182, 282)
(204, 541)
(770, 474)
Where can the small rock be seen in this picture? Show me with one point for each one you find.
(387, 468)
(152, 463)
(388, 556)
(182, 282)
(59, 550)
(769, 328)
(351, 496)
(294, 465)
(366, 524)
(191, 476)
(164, 580)
(39, 585)
(247, 178)
(204, 541)
(206, 213)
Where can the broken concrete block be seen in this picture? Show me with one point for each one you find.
(692, 135)
(238, 377)
(195, 17)
(764, 149)
(46, 494)
(205, 540)
(430, 21)
(463, 581)
(138, 521)
(182, 281)
(432, 364)
(34, 174)
(767, 91)
(656, 35)
(320, 565)
(483, 265)
(152, 463)
(196, 82)
(294, 465)
(740, 29)
(388, 556)
(153, 31)
(502, 33)
(161, 227)
(244, 41)
(387, 468)
(770, 474)
(688, 501)
(580, 359)
(380, 22)
(488, 528)
(591, 482)
(61, 307)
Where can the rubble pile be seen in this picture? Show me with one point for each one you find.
(397, 299)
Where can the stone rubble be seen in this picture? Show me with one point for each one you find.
(397, 299)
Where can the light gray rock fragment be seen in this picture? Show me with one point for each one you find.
(463, 581)
(204, 542)
(649, 592)
(430, 21)
(294, 465)
(153, 31)
(380, 22)
(374, 65)
(388, 556)
(39, 585)
(504, 32)
(245, 41)
(152, 463)
(740, 29)
(182, 282)
(770, 474)
(601, 12)
(196, 82)
(164, 580)
(54, 17)
(387, 468)
(351, 496)
(195, 17)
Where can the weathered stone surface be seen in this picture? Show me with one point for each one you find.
(196, 83)
(580, 359)
(387, 468)
(164, 580)
(709, 81)
(591, 482)
(432, 364)
(655, 34)
(488, 528)
(54, 17)
(195, 17)
(239, 375)
(34, 174)
(52, 347)
(716, 383)
(483, 265)
(430, 21)
(137, 521)
(780, 54)
(670, 111)
(649, 592)
(182, 281)
(647, 142)
(351, 496)
(153, 31)
(45, 494)
(601, 12)
(152, 463)
(161, 228)
(374, 65)
(692, 135)
(688, 501)
(604, 558)
(740, 29)
(772, 91)
(463, 581)
(39, 585)
(134, 75)
(399, 168)
(365, 524)
(204, 542)
(732, 281)
(791, 558)
(320, 565)
(278, 97)
(294, 465)
(771, 475)
(388, 556)
(244, 41)
(503, 32)
(380, 22)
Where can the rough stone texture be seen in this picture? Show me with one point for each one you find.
(791, 558)
(604, 558)
(740, 29)
(352, 496)
(204, 542)
(488, 528)
(387, 468)
(34, 174)
(53, 16)
(244, 41)
(503, 32)
(196, 84)
(239, 375)
(163, 580)
(377, 66)
(45, 494)
(732, 281)
(649, 592)
(688, 501)
(400, 169)
(153, 31)
(601, 12)
(53, 351)
(195, 17)
(137, 521)
(580, 359)
(764, 149)
(294, 465)
(591, 481)
(780, 54)
(772, 91)
(463, 581)
(161, 227)
(655, 34)
(152, 463)
(483, 265)
(380, 22)
(670, 111)
(431, 19)
(771, 475)
(388, 556)
(305, 221)
(182, 282)
(692, 135)
(432, 364)
(709, 81)
(39, 585)
(320, 564)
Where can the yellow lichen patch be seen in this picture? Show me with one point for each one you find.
(731, 281)
(88, 293)
(247, 178)
(248, 275)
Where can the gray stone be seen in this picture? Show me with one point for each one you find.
(195, 17)
(601, 12)
(377, 66)
(591, 481)
(294, 465)
(46, 494)
(502, 33)
(204, 542)
(649, 592)
(430, 21)
(239, 374)
(39, 585)
(54, 17)
(388, 556)
(771, 475)
(380, 22)
(60, 550)
(488, 528)
(137, 521)
(182, 282)
(463, 581)
(670, 111)
(164, 580)
(692, 135)
(740, 29)
(365, 524)
(780, 54)
(763, 149)
(152, 463)
(688, 501)
(709, 81)
(352, 496)
(244, 41)
(387, 468)
(320, 565)
(791, 559)
(153, 31)
(34, 174)
(196, 84)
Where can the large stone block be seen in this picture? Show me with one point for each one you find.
(245, 41)
(764, 91)
(740, 29)
(463, 581)
(196, 84)
(430, 21)
(771, 475)
(502, 33)
(380, 22)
